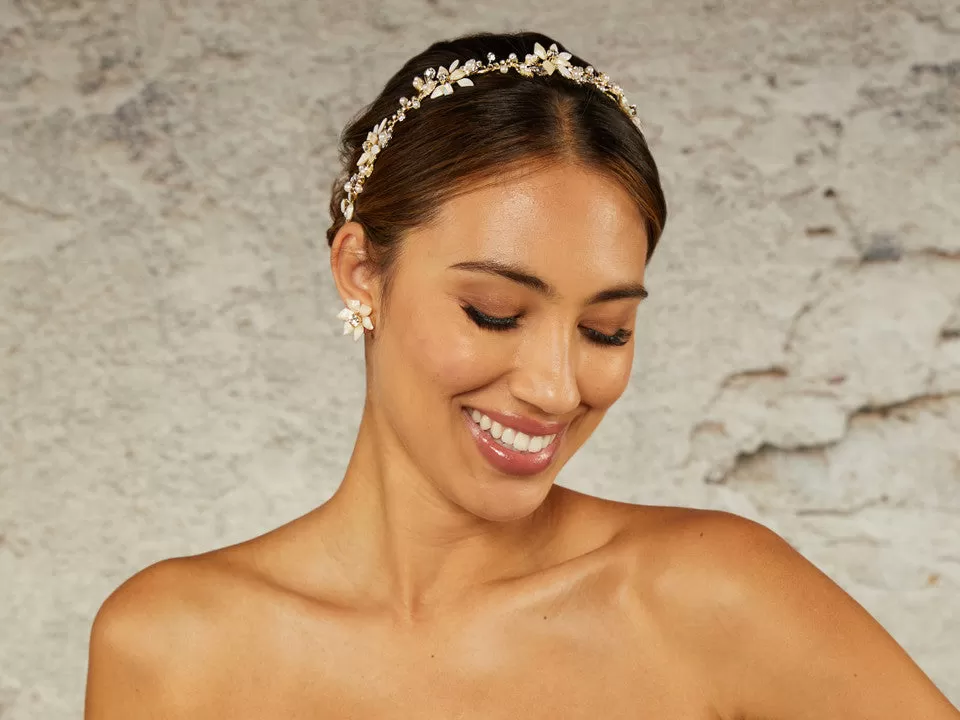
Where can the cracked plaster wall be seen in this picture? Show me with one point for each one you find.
(171, 374)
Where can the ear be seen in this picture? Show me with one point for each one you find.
(353, 271)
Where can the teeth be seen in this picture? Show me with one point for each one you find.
(519, 441)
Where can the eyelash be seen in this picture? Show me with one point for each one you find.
(500, 324)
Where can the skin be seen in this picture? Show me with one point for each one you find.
(433, 586)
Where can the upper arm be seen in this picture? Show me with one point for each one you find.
(140, 659)
(783, 641)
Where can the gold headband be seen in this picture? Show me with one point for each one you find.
(438, 82)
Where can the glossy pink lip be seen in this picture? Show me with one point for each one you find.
(507, 460)
(525, 425)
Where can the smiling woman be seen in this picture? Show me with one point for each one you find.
(490, 238)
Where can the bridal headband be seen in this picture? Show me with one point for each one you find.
(435, 83)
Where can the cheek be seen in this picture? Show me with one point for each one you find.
(604, 375)
(448, 356)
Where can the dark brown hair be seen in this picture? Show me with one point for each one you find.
(453, 144)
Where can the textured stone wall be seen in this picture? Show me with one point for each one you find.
(172, 377)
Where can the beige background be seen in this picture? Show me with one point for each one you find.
(172, 377)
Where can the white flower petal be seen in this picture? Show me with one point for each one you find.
(353, 304)
(364, 310)
(347, 328)
(549, 67)
(539, 51)
(448, 90)
(465, 82)
(454, 76)
(358, 331)
(453, 65)
(368, 323)
(438, 92)
(345, 314)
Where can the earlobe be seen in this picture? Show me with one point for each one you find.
(356, 318)
(353, 270)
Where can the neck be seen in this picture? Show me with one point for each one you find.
(404, 545)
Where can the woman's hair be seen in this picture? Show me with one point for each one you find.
(460, 142)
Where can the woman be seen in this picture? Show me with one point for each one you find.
(490, 240)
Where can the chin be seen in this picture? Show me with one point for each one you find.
(490, 495)
(502, 503)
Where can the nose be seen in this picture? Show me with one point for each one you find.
(545, 375)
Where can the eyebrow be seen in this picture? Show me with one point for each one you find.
(522, 276)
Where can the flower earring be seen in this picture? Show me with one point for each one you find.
(356, 317)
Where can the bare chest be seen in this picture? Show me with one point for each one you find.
(572, 691)
(560, 668)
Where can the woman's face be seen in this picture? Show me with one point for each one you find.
(530, 255)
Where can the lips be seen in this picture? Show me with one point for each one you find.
(508, 460)
(523, 424)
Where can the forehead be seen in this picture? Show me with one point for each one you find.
(564, 220)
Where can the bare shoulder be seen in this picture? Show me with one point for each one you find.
(681, 548)
(155, 638)
(768, 631)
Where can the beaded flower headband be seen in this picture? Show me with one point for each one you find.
(438, 82)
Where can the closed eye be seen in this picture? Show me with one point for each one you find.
(500, 324)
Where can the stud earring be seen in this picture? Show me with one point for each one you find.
(356, 317)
